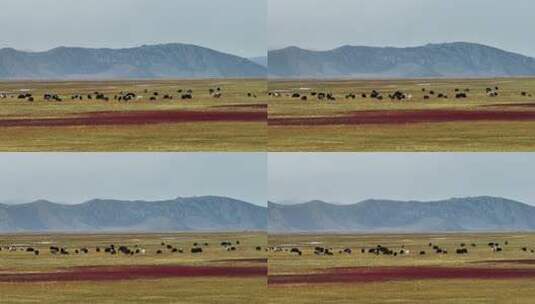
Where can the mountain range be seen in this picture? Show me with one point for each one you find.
(213, 213)
(172, 60)
(207, 213)
(454, 215)
(447, 60)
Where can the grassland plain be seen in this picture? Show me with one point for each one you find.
(481, 276)
(476, 123)
(213, 276)
(236, 121)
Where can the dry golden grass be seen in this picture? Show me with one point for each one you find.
(440, 136)
(411, 291)
(166, 290)
(180, 136)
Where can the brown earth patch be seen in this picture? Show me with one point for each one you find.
(259, 260)
(245, 106)
(511, 105)
(117, 273)
(521, 262)
(384, 274)
(137, 118)
(405, 117)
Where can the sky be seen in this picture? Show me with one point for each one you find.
(73, 178)
(327, 24)
(344, 178)
(233, 26)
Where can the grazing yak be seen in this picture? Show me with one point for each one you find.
(226, 243)
(296, 251)
(186, 96)
(462, 251)
(492, 92)
(321, 251)
(398, 95)
(196, 250)
(351, 96)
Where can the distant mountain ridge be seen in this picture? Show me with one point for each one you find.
(454, 215)
(173, 60)
(448, 60)
(207, 213)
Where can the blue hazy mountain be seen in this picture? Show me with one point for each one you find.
(454, 215)
(452, 60)
(146, 62)
(207, 213)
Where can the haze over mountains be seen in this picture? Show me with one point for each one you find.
(448, 60)
(454, 215)
(173, 60)
(207, 213)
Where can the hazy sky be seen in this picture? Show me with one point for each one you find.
(326, 24)
(350, 178)
(74, 178)
(234, 26)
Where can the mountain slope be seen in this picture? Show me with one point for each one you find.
(154, 61)
(457, 59)
(182, 214)
(458, 214)
(262, 60)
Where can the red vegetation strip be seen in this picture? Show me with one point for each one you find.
(137, 118)
(405, 117)
(384, 274)
(133, 273)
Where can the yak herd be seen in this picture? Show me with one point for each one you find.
(396, 95)
(114, 249)
(122, 96)
(187, 94)
(461, 249)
